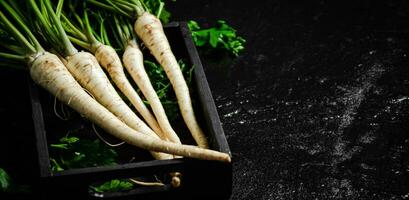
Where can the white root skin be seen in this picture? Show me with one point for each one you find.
(49, 72)
(110, 61)
(133, 62)
(150, 30)
(85, 69)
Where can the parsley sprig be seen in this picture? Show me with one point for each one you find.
(73, 152)
(221, 36)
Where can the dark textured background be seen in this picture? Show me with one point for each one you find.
(316, 108)
(318, 105)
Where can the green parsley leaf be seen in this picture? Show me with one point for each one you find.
(163, 88)
(113, 186)
(4, 180)
(221, 36)
(73, 152)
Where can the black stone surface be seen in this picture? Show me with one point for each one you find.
(318, 105)
(316, 108)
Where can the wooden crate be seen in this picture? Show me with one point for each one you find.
(200, 178)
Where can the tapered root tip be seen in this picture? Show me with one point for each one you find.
(224, 157)
(219, 156)
(228, 158)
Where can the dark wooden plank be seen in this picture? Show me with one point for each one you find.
(205, 95)
(39, 129)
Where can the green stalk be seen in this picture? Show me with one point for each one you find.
(88, 28)
(104, 34)
(138, 7)
(109, 7)
(44, 24)
(102, 5)
(121, 32)
(122, 7)
(14, 48)
(78, 34)
(161, 5)
(39, 15)
(19, 20)
(68, 47)
(114, 24)
(89, 32)
(59, 8)
(13, 57)
(129, 33)
(73, 10)
(121, 11)
(80, 43)
(17, 35)
(16, 7)
(82, 33)
(130, 5)
(145, 7)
